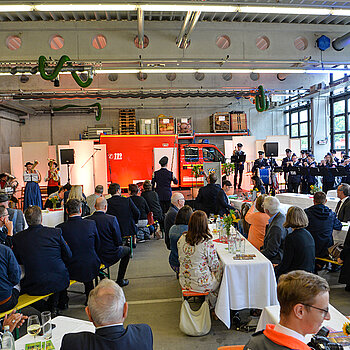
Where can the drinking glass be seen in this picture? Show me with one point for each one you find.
(33, 325)
(243, 245)
(238, 246)
(46, 324)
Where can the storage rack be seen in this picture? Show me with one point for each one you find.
(127, 122)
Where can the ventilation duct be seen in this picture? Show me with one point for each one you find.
(339, 43)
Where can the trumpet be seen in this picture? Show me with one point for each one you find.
(34, 165)
(55, 175)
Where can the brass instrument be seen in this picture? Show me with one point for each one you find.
(55, 175)
(34, 165)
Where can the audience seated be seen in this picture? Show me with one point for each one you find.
(299, 246)
(76, 192)
(111, 246)
(322, 222)
(275, 231)
(200, 267)
(6, 228)
(258, 220)
(343, 206)
(91, 200)
(258, 184)
(152, 200)
(15, 215)
(58, 195)
(44, 255)
(206, 198)
(124, 210)
(222, 202)
(10, 274)
(142, 206)
(83, 239)
(304, 302)
(177, 202)
(107, 310)
(175, 232)
(344, 259)
(243, 225)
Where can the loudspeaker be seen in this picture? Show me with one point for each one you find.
(271, 149)
(67, 156)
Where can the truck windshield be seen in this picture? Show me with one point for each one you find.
(191, 154)
(211, 154)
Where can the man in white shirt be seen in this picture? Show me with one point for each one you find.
(304, 302)
(343, 207)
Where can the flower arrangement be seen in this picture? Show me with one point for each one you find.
(229, 221)
(314, 189)
(54, 200)
(346, 328)
(228, 168)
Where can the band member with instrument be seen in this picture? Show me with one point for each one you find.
(260, 163)
(328, 180)
(293, 177)
(32, 178)
(8, 186)
(238, 158)
(52, 177)
(310, 180)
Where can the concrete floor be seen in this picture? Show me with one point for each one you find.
(154, 298)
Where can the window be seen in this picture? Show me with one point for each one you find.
(191, 154)
(298, 124)
(211, 154)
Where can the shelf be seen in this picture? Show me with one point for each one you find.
(243, 133)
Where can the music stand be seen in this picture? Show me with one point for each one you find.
(304, 171)
(339, 171)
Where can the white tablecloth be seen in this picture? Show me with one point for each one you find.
(52, 218)
(304, 200)
(271, 315)
(245, 283)
(64, 325)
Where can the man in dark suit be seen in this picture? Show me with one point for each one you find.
(222, 203)
(322, 222)
(177, 202)
(124, 210)
(111, 248)
(44, 254)
(343, 207)
(161, 183)
(82, 238)
(15, 215)
(107, 310)
(206, 198)
(275, 232)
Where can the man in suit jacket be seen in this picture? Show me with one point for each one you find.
(222, 203)
(83, 239)
(111, 248)
(44, 254)
(124, 210)
(343, 207)
(6, 228)
(107, 310)
(322, 222)
(15, 215)
(275, 232)
(177, 202)
(206, 198)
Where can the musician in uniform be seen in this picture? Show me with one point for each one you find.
(285, 160)
(335, 158)
(293, 177)
(32, 193)
(310, 180)
(303, 163)
(346, 163)
(328, 180)
(238, 158)
(52, 177)
(260, 163)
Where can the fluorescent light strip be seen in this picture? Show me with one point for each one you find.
(285, 10)
(16, 8)
(85, 7)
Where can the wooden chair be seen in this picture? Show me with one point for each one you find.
(231, 347)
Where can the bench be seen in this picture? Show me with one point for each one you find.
(187, 294)
(329, 261)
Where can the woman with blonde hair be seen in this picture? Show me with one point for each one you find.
(258, 219)
(200, 268)
(299, 245)
(76, 192)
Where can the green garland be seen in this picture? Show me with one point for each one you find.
(261, 101)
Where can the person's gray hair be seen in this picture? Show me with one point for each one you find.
(100, 203)
(345, 188)
(176, 197)
(106, 303)
(272, 204)
(33, 215)
(99, 189)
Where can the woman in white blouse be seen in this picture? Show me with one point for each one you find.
(200, 268)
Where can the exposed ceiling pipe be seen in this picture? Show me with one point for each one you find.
(180, 37)
(339, 43)
(195, 18)
(140, 27)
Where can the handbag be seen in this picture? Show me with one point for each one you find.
(195, 323)
(150, 218)
(335, 250)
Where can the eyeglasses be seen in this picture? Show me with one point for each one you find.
(325, 311)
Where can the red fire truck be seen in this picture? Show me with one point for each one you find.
(133, 158)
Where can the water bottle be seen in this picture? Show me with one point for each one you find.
(7, 342)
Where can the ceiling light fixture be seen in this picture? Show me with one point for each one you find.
(84, 7)
(16, 8)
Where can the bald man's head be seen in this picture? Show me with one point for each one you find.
(101, 204)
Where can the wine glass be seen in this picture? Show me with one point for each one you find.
(33, 325)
